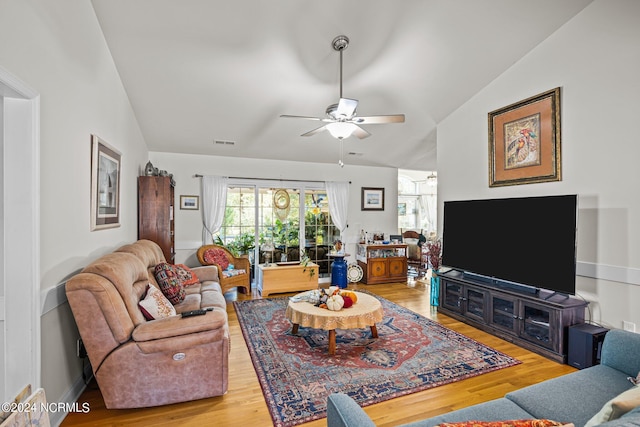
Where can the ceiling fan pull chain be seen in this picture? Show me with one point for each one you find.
(341, 162)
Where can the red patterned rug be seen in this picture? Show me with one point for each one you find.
(412, 353)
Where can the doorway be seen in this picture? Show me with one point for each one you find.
(19, 231)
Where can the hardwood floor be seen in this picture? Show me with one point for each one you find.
(244, 405)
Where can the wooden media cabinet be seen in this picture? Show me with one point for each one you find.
(537, 321)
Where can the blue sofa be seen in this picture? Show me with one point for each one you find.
(572, 398)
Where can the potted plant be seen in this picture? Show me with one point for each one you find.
(434, 251)
(242, 244)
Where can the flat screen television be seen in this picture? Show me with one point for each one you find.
(527, 241)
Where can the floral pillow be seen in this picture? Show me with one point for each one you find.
(216, 256)
(169, 283)
(186, 275)
(154, 305)
(510, 423)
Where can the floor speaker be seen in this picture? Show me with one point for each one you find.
(585, 345)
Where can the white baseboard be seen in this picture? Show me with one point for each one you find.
(69, 398)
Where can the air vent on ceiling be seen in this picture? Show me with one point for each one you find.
(222, 142)
(353, 153)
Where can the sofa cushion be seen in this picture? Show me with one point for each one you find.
(558, 399)
(494, 410)
(617, 407)
(216, 256)
(617, 346)
(233, 273)
(154, 305)
(186, 275)
(169, 282)
(629, 419)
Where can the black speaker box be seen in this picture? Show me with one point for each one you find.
(585, 344)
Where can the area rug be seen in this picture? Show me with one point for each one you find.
(412, 353)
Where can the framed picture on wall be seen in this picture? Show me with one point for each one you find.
(189, 202)
(524, 141)
(372, 199)
(105, 185)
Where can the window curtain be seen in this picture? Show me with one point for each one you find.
(429, 204)
(338, 194)
(214, 202)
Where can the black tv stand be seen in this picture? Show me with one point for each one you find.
(531, 320)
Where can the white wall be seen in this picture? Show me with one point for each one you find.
(57, 48)
(189, 223)
(594, 58)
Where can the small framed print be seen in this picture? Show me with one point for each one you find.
(372, 199)
(105, 185)
(524, 141)
(189, 203)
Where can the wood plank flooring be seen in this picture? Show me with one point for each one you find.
(244, 405)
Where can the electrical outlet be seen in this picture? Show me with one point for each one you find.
(81, 352)
(628, 326)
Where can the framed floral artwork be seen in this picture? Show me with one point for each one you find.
(105, 185)
(524, 141)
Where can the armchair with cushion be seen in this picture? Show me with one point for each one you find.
(221, 257)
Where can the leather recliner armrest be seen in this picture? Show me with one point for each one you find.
(176, 326)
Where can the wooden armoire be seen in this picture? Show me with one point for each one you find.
(156, 213)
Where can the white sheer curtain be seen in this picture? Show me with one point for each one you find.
(338, 194)
(214, 202)
(429, 203)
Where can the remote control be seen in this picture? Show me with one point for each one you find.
(194, 313)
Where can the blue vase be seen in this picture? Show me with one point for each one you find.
(339, 272)
(435, 289)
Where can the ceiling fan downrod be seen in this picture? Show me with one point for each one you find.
(339, 44)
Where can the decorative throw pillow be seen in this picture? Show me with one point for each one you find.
(616, 407)
(216, 256)
(186, 275)
(169, 283)
(509, 423)
(154, 305)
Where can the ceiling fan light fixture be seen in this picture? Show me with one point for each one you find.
(341, 130)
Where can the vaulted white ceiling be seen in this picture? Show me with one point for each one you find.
(199, 71)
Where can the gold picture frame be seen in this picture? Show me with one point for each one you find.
(524, 141)
(105, 185)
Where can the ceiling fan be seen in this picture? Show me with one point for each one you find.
(342, 121)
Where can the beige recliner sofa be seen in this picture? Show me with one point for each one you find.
(138, 362)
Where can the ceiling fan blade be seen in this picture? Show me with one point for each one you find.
(287, 116)
(315, 131)
(360, 133)
(347, 107)
(372, 120)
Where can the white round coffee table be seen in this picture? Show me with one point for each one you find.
(365, 313)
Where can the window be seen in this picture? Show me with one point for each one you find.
(417, 201)
(252, 216)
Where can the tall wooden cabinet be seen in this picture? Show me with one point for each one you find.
(156, 212)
